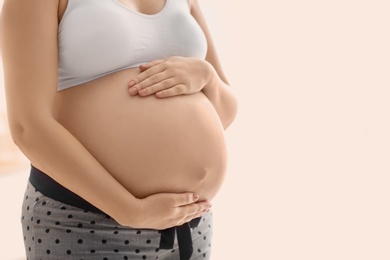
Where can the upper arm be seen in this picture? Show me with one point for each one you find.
(30, 60)
(211, 56)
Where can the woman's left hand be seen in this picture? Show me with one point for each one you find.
(172, 76)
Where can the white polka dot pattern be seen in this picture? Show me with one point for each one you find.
(54, 230)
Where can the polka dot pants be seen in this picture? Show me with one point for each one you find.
(54, 230)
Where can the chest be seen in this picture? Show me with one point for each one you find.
(146, 7)
(96, 37)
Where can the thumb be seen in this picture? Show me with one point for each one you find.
(186, 198)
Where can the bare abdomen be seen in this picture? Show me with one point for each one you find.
(148, 144)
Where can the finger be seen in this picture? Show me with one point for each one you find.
(137, 83)
(177, 90)
(146, 66)
(193, 208)
(164, 84)
(183, 199)
(154, 78)
(146, 73)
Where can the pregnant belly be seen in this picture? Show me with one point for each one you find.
(149, 145)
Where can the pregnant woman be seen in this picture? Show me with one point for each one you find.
(121, 107)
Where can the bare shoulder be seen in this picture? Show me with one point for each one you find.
(22, 5)
(19, 11)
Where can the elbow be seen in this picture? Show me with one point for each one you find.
(230, 113)
(17, 131)
(24, 131)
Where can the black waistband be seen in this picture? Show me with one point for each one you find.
(52, 189)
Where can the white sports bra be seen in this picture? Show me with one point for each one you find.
(98, 37)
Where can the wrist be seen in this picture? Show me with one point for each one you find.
(130, 215)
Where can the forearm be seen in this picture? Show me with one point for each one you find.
(221, 96)
(54, 150)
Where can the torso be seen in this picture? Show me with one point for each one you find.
(149, 145)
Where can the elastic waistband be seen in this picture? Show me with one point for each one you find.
(52, 189)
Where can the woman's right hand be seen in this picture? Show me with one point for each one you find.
(164, 210)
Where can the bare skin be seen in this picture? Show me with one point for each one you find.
(139, 158)
(149, 145)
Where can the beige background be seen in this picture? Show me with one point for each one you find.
(309, 167)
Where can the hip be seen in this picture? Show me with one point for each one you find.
(56, 230)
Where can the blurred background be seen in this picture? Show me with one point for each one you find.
(309, 167)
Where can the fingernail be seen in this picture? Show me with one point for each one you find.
(131, 83)
(195, 197)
